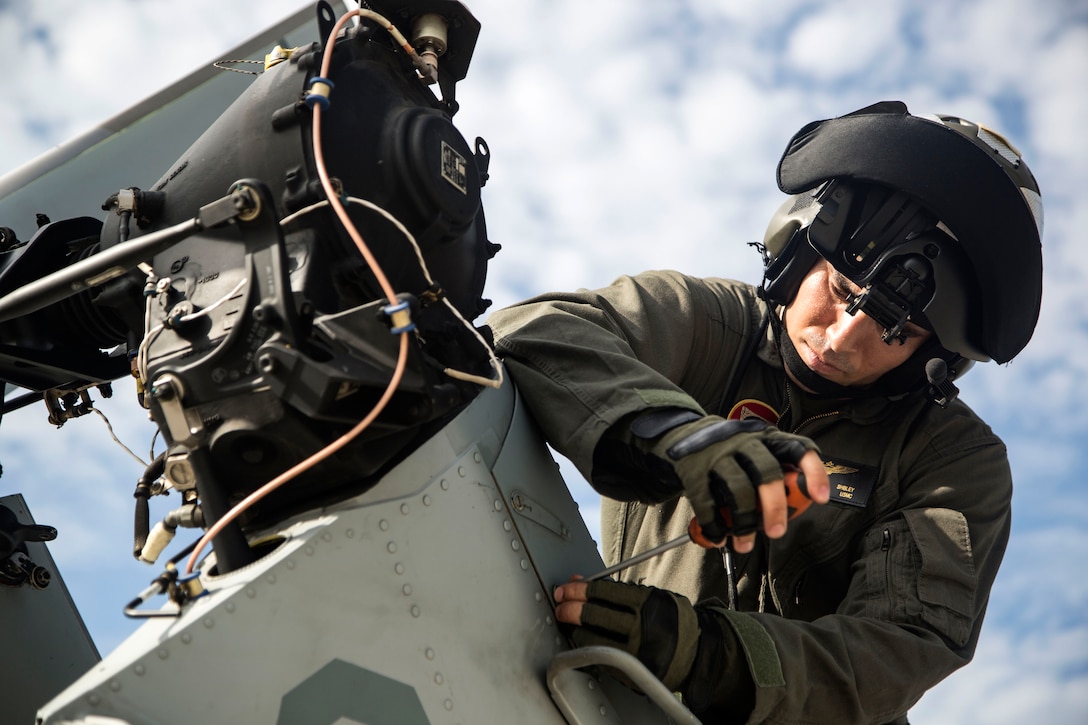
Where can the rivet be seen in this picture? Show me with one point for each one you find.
(592, 684)
(549, 621)
(309, 550)
(438, 678)
(230, 607)
(428, 653)
(251, 592)
(383, 525)
(507, 526)
(326, 536)
(498, 504)
(163, 653)
(391, 547)
(515, 545)
(477, 457)
(398, 567)
(290, 564)
(209, 622)
(271, 578)
(525, 564)
(186, 638)
(444, 485)
(350, 533)
(426, 500)
(404, 509)
(461, 471)
(139, 670)
(603, 711)
(414, 610)
(94, 699)
(448, 704)
(539, 597)
(115, 686)
(407, 589)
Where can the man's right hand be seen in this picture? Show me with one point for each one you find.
(732, 470)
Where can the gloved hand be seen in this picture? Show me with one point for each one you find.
(720, 463)
(692, 650)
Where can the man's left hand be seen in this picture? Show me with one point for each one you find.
(691, 649)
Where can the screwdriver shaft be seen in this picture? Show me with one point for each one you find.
(639, 558)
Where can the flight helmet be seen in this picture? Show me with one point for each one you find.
(938, 220)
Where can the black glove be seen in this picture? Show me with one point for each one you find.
(692, 650)
(720, 463)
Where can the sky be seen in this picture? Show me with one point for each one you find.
(633, 135)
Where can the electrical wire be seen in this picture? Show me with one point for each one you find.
(152, 333)
(495, 382)
(379, 274)
(113, 435)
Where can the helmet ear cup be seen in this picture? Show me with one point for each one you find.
(788, 255)
(783, 274)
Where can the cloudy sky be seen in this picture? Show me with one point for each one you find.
(634, 135)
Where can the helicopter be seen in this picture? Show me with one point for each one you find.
(294, 300)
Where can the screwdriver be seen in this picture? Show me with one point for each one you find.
(796, 498)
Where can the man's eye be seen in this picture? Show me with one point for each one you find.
(840, 290)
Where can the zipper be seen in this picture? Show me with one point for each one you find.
(813, 419)
(885, 547)
(798, 587)
(806, 421)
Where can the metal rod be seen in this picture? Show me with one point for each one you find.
(639, 558)
(92, 271)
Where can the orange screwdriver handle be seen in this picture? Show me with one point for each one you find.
(797, 501)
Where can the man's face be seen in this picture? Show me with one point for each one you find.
(843, 348)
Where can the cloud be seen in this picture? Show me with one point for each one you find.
(627, 136)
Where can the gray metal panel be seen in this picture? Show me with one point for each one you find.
(419, 599)
(135, 147)
(43, 644)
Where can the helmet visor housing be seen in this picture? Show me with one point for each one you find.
(908, 268)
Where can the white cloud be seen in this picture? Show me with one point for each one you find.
(845, 40)
(626, 136)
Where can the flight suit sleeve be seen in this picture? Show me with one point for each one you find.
(585, 360)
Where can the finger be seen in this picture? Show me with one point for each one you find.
(772, 500)
(789, 450)
(819, 485)
(570, 612)
(744, 544)
(572, 591)
(738, 489)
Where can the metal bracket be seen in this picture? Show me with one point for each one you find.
(524, 505)
(578, 703)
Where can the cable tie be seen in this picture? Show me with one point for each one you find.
(191, 585)
(401, 317)
(320, 88)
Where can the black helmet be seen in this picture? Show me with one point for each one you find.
(937, 219)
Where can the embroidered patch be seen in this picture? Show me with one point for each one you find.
(851, 483)
(751, 408)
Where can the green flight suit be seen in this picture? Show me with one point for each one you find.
(869, 600)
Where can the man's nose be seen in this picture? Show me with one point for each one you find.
(849, 332)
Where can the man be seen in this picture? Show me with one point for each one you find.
(909, 249)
